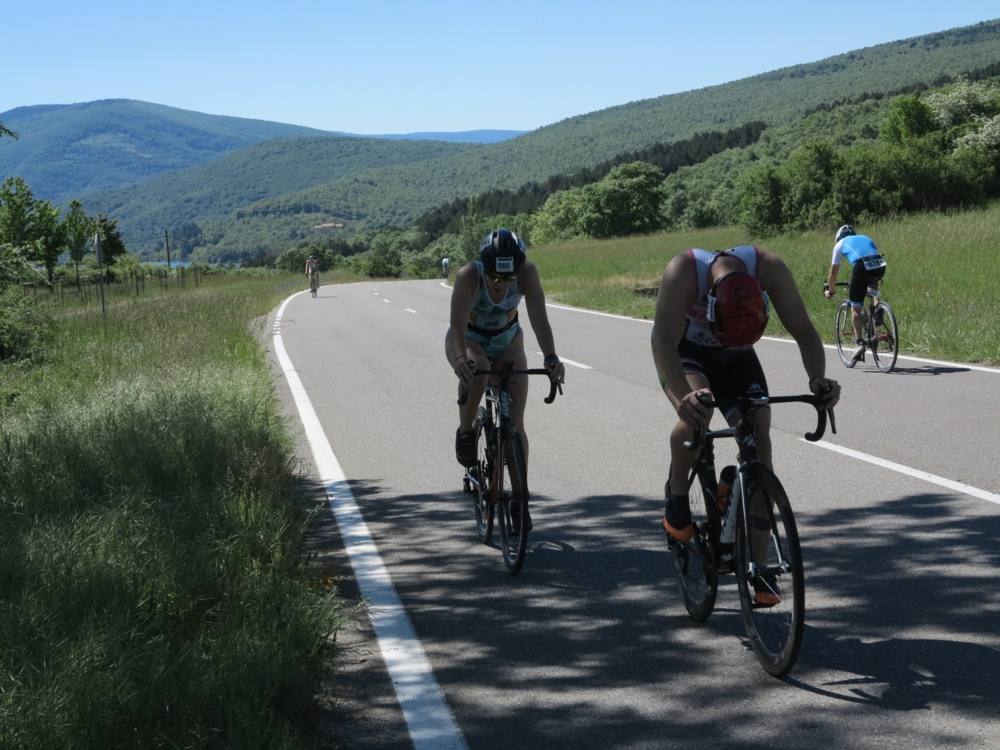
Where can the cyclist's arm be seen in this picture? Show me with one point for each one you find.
(787, 302)
(678, 290)
(463, 295)
(835, 261)
(534, 301)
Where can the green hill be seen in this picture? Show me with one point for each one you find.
(230, 185)
(66, 150)
(398, 193)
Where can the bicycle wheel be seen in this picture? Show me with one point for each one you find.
(695, 564)
(845, 333)
(769, 574)
(512, 505)
(480, 474)
(885, 337)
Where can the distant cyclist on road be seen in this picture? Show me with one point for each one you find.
(484, 328)
(867, 266)
(711, 308)
(312, 273)
(444, 266)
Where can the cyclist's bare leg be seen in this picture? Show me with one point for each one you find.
(856, 319)
(682, 459)
(760, 535)
(467, 411)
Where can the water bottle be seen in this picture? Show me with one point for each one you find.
(727, 508)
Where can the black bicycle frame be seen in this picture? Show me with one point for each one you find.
(744, 431)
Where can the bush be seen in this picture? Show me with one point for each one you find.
(22, 325)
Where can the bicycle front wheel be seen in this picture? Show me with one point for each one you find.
(845, 333)
(885, 337)
(481, 480)
(512, 505)
(695, 564)
(769, 573)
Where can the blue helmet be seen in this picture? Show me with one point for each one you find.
(845, 231)
(502, 252)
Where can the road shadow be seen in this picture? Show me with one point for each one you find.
(595, 627)
(928, 370)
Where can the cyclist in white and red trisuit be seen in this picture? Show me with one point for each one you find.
(711, 308)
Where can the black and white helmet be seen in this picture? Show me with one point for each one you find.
(845, 231)
(502, 252)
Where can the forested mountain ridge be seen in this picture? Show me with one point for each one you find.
(397, 194)
(65, 150)
(232, 184)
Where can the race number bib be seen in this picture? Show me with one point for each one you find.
(873, 262)
(505, 264)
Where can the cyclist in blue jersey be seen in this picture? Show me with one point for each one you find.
(484, 328)
(867, 266)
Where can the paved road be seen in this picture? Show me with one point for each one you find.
(590, 647)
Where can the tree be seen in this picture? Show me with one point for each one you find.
(761, 190)
(5, 131)
(49, 236)
(111, 242)
(908, 118)
(17, 212)
(78, 229)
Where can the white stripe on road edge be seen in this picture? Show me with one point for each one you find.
(962, 365)
(927, 477)
(571, 362)
(428, 717)
(411, 310)
(386, 300)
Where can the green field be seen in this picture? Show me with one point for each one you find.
(153, 588)
(942, 277)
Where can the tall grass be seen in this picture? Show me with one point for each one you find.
(152, 587)
(941, 282)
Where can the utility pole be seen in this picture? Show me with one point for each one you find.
(166, 244)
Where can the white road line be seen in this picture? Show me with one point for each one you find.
(927, 477)
(978, 368)
(386, 300)
(566, 361)
(411, 310)
(428, 716)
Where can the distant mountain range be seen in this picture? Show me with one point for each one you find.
(255, 186)
(65, 150)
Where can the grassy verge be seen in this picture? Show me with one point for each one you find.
(941, 280)
(152, 586)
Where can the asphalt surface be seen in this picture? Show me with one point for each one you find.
(590, 647)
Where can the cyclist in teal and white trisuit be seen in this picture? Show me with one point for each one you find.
(484, 328)
(867, 266)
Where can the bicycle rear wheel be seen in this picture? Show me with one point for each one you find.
(885, 337)
(769, 574)
(481, 476)
(512, 505)
(845, 333)
(695, 564)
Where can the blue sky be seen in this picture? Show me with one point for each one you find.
(378, 66)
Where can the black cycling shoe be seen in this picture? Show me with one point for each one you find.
(515, 517)
(677, 518)
(465, 448)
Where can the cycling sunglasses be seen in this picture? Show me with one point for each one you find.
(498, 278)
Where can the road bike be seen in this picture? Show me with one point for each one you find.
(498, 481)
(878, 327)
(748, 529)
(314, 283)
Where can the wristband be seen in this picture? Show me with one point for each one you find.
(551, 360)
